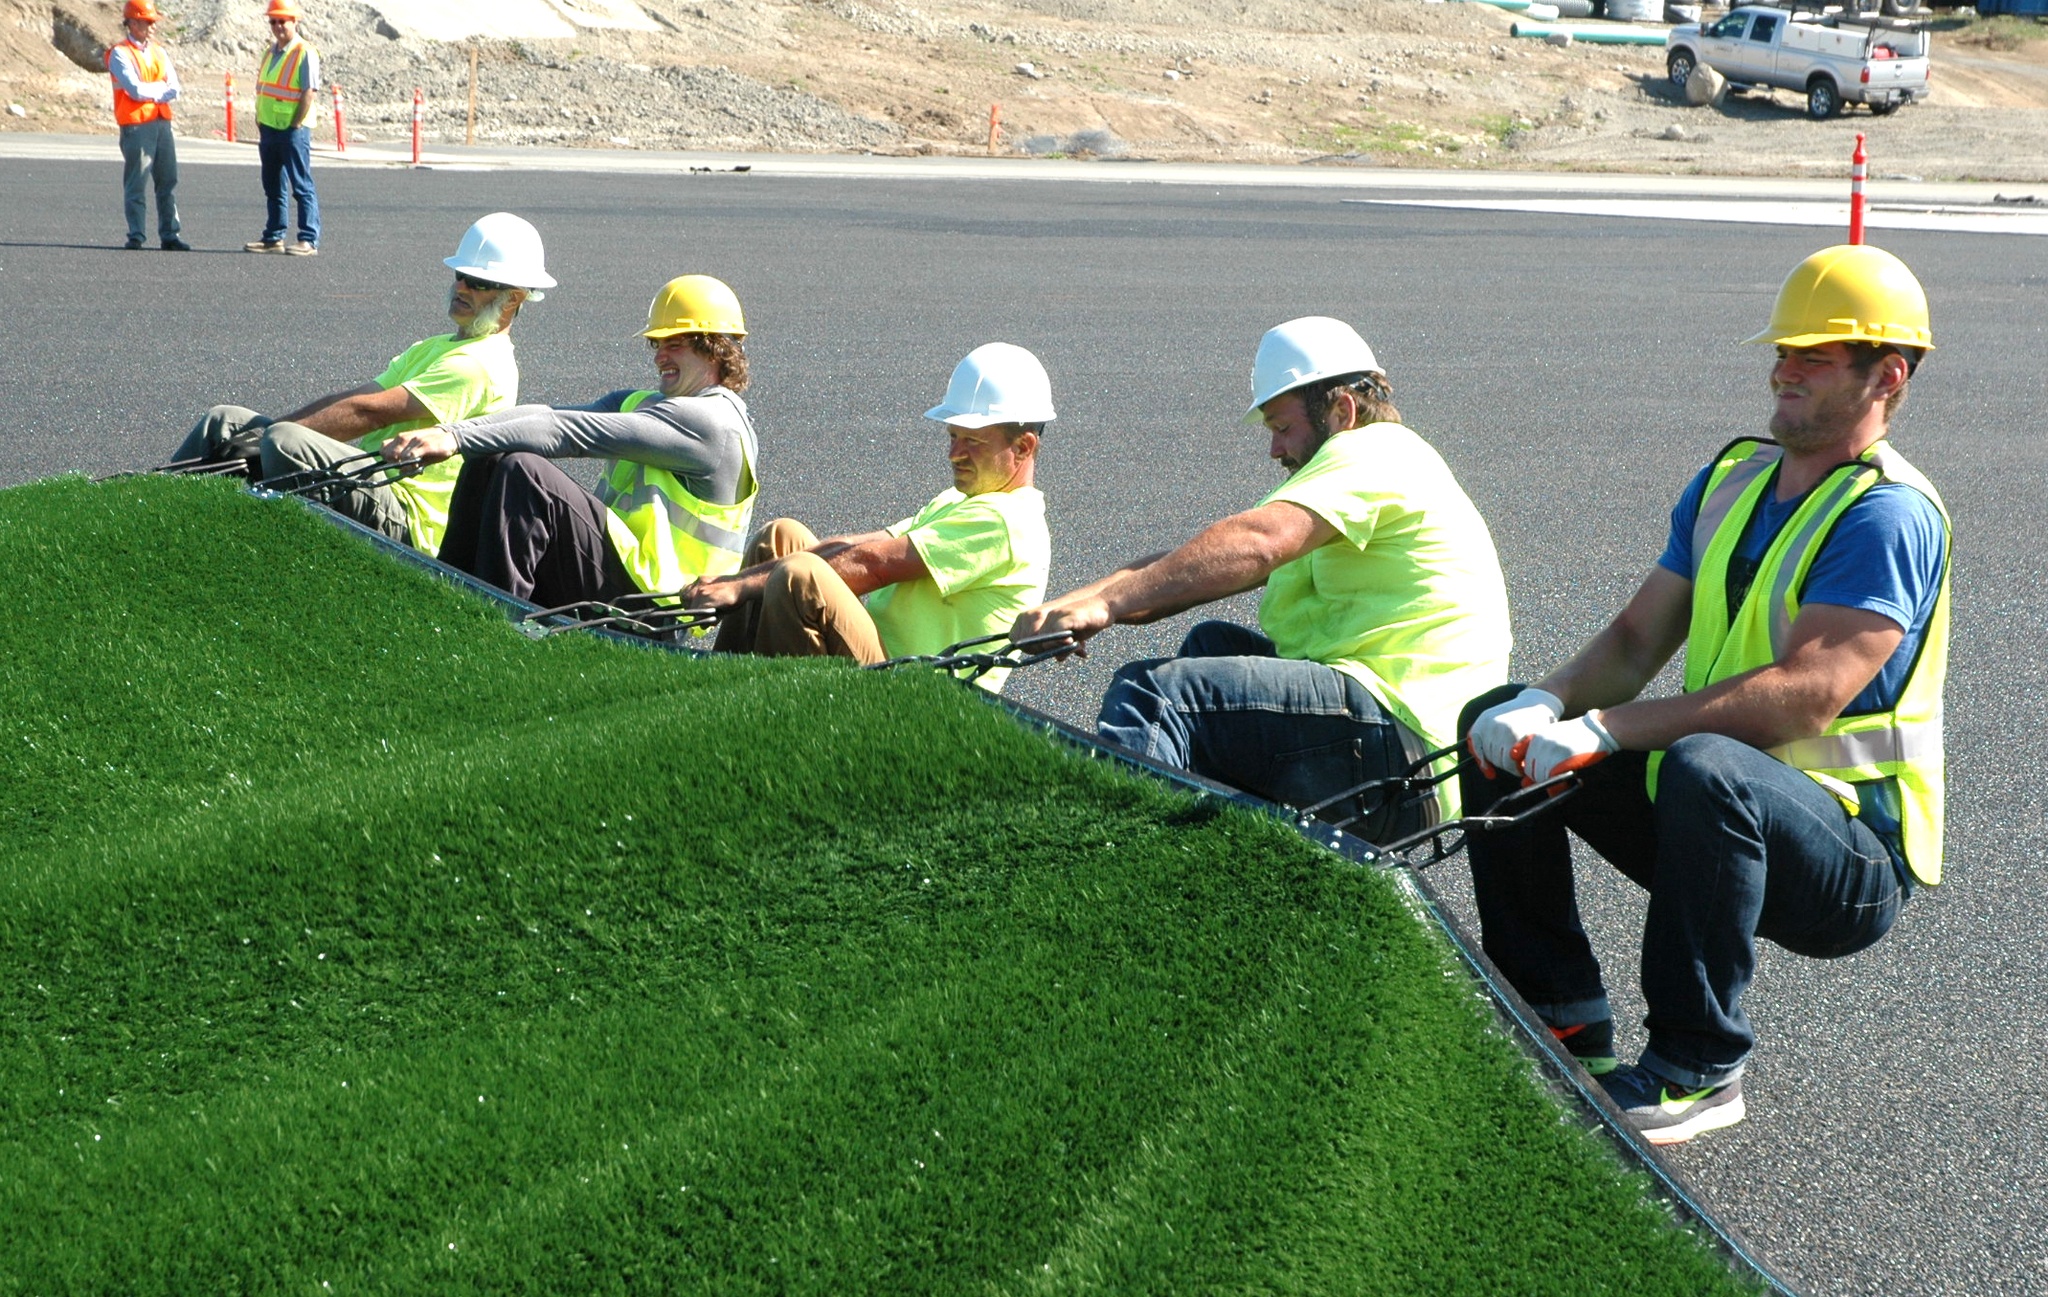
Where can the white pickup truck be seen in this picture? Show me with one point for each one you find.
(1835, 59)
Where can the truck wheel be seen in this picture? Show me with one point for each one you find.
(1822, 99)
(1680, 65)
(1900, 8)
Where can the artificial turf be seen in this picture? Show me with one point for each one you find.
(352, 941)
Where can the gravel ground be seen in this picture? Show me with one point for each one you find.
(1356, 82)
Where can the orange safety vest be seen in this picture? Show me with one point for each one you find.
(280, 85)
(150, 65)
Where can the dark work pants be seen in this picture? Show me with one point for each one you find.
(1289, 731)
(1738, 845)
(286, 160)
(149, 155)
(526, 527)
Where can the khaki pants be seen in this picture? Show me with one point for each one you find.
(806, 609)
(237, 432)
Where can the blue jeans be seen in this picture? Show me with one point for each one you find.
(287, 158)
(1738, 845)
(149, 155)
(1290, 731)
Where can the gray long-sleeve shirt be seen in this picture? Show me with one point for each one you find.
(706, 440)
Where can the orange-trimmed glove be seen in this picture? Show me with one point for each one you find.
(1502, 730)
(1564, 747)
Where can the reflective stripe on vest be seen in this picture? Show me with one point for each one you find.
(1903, 745)
(280, 85)
(149, 67)
(666, 536)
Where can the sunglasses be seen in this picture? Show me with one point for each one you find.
(480, 285)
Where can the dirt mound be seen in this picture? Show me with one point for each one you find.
(1366, 82)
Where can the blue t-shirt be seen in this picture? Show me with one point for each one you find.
(1885, 556)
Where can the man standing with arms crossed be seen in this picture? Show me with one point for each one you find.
(1794, 790)
(1384, 606)
(145, 85)
(285, 85)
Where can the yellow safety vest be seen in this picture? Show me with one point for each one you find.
(281, 85)
(666, 536)
(1903, 745)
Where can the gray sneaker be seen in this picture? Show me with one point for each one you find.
(1665, 1112)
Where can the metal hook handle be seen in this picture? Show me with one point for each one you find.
(973, 666)
(1540, 797)
(1417, 777)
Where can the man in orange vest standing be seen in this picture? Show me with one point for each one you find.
(145, 84)
(285, 86)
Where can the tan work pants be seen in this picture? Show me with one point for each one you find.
(806, 609)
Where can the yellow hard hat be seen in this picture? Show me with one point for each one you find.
(1850, 293)
(695, 304)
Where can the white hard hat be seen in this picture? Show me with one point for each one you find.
(504, 249)
(1305, 351)
(999, 382)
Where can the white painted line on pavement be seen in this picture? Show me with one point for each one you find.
(1877, 216)
(1553, 187)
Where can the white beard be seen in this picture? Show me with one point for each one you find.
(486, 320)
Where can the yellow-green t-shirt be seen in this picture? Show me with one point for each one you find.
(455, 378)
(988, 557)
(1408, 599)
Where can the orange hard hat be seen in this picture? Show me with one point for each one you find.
(282, 9)
(142, 9)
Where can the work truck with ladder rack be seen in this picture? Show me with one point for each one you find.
(1834, 58)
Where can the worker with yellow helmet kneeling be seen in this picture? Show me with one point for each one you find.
(959, 568)
(672, 504)
(1794, 789)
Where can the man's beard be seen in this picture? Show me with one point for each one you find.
(1295, 466)
(1823, 423)
(484, 323)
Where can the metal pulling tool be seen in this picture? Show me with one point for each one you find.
(236, 467)
(379, 472)
(1025, 652)
(638, 613)
(1448, 838)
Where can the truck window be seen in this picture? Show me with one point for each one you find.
(1766, 26)
(1730, 28)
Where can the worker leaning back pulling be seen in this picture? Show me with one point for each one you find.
(675, 494)
(498, 267)
(1384, 606)
(959, 568)
(1794, 790)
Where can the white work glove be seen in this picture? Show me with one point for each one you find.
(1496, 737)
(1564, 747)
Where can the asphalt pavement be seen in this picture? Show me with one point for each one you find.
(1574, 370)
